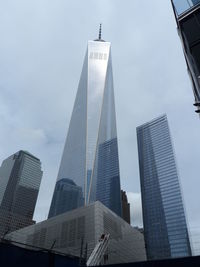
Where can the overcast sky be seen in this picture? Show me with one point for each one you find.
(42, 47)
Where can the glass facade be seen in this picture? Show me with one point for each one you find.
(92, 136)
(67, 195)
(108, 180)
(188, 21)
(182, 6)
(165, 228)
(20, 177)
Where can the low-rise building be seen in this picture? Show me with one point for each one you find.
(77, 232)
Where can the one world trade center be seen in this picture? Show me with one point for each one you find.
(89, 168)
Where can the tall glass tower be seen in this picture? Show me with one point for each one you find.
(20, 177)
(187, 14)
(165, 228)
(89, 168)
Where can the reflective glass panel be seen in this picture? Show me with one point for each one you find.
(184, 5)
(90, 156)
(165, 227)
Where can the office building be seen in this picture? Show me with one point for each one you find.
(125, 207)
(89, 167)
(165, 227)
(77, 232)
(187, 13)
(20, 177)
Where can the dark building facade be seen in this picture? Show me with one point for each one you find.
(20, 177)
(125, 207)
(187, 13)
(48, 258)
(67, 196)
(165, 227)
(108, 180)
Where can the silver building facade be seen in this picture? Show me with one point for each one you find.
(165, 227)
(89, 168)
(187, 14)
(20, 177)
(77, 232)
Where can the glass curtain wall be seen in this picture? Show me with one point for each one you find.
(91, 139)
(165, 228)
(188, 22)
(182, 6)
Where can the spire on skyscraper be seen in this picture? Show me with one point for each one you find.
(99, 36)
(100, 31)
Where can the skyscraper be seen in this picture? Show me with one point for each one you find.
(165, 228)
(125, 207)
(89, 168)
(187, 13)
(20, 177)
